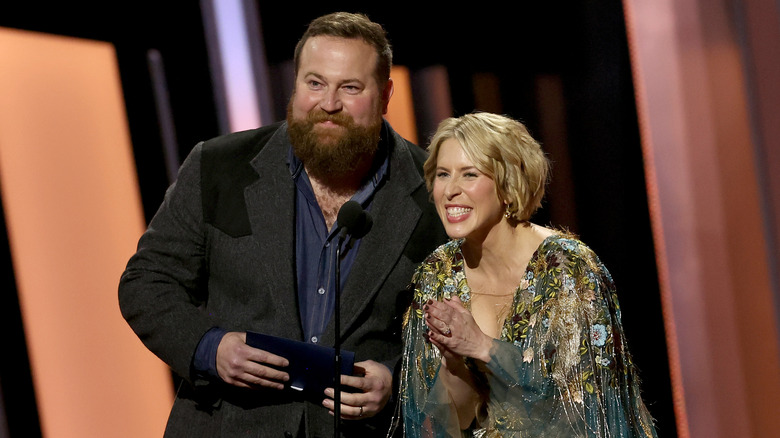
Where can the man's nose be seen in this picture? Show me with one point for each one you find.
(331, 101)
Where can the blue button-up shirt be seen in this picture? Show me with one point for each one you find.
(315, 254)
(315, 250)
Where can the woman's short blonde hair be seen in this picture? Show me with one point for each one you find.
(503, 149)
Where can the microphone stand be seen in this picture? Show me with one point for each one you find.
(337, 340)
(353, 219)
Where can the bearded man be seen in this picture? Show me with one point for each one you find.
(246, 241)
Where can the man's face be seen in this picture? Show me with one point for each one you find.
(336, 77)
(335, 115)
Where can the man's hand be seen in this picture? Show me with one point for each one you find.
(375, 383)
(244, 366)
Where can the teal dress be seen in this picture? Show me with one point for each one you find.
(561, 367)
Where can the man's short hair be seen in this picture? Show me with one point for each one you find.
(352, 26)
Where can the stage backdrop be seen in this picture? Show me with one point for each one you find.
(73, 214)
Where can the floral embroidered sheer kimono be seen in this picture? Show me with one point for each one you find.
(560, 367)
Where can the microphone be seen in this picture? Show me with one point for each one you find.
(354, 220)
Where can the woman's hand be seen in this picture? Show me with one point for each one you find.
(454, 331)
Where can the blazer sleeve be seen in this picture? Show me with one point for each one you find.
(164, 282)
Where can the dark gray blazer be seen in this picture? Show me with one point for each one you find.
(220, 252)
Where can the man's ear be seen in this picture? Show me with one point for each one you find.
(387, 93)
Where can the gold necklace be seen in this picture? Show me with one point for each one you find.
(492, 295)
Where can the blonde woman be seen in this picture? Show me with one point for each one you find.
(515, 328)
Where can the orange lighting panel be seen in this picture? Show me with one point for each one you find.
(74, 214)
(400, 112)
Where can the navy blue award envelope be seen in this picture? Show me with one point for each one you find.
(311, 366)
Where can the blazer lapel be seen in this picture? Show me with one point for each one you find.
(271, 209)
(395, 216)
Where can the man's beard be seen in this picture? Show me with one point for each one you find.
(332, 153)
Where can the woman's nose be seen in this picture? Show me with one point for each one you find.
(452, 188)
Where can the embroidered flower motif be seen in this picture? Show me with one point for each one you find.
(589, 295)
(524, 284)
(465, 295)
(449, 289)
(528, 355)
(569, 283)
(598, 334)
(605, 361)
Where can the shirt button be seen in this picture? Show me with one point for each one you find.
(327, 244)
(314, 339)
(321, 290)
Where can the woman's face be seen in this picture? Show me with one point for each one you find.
(465, 198)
